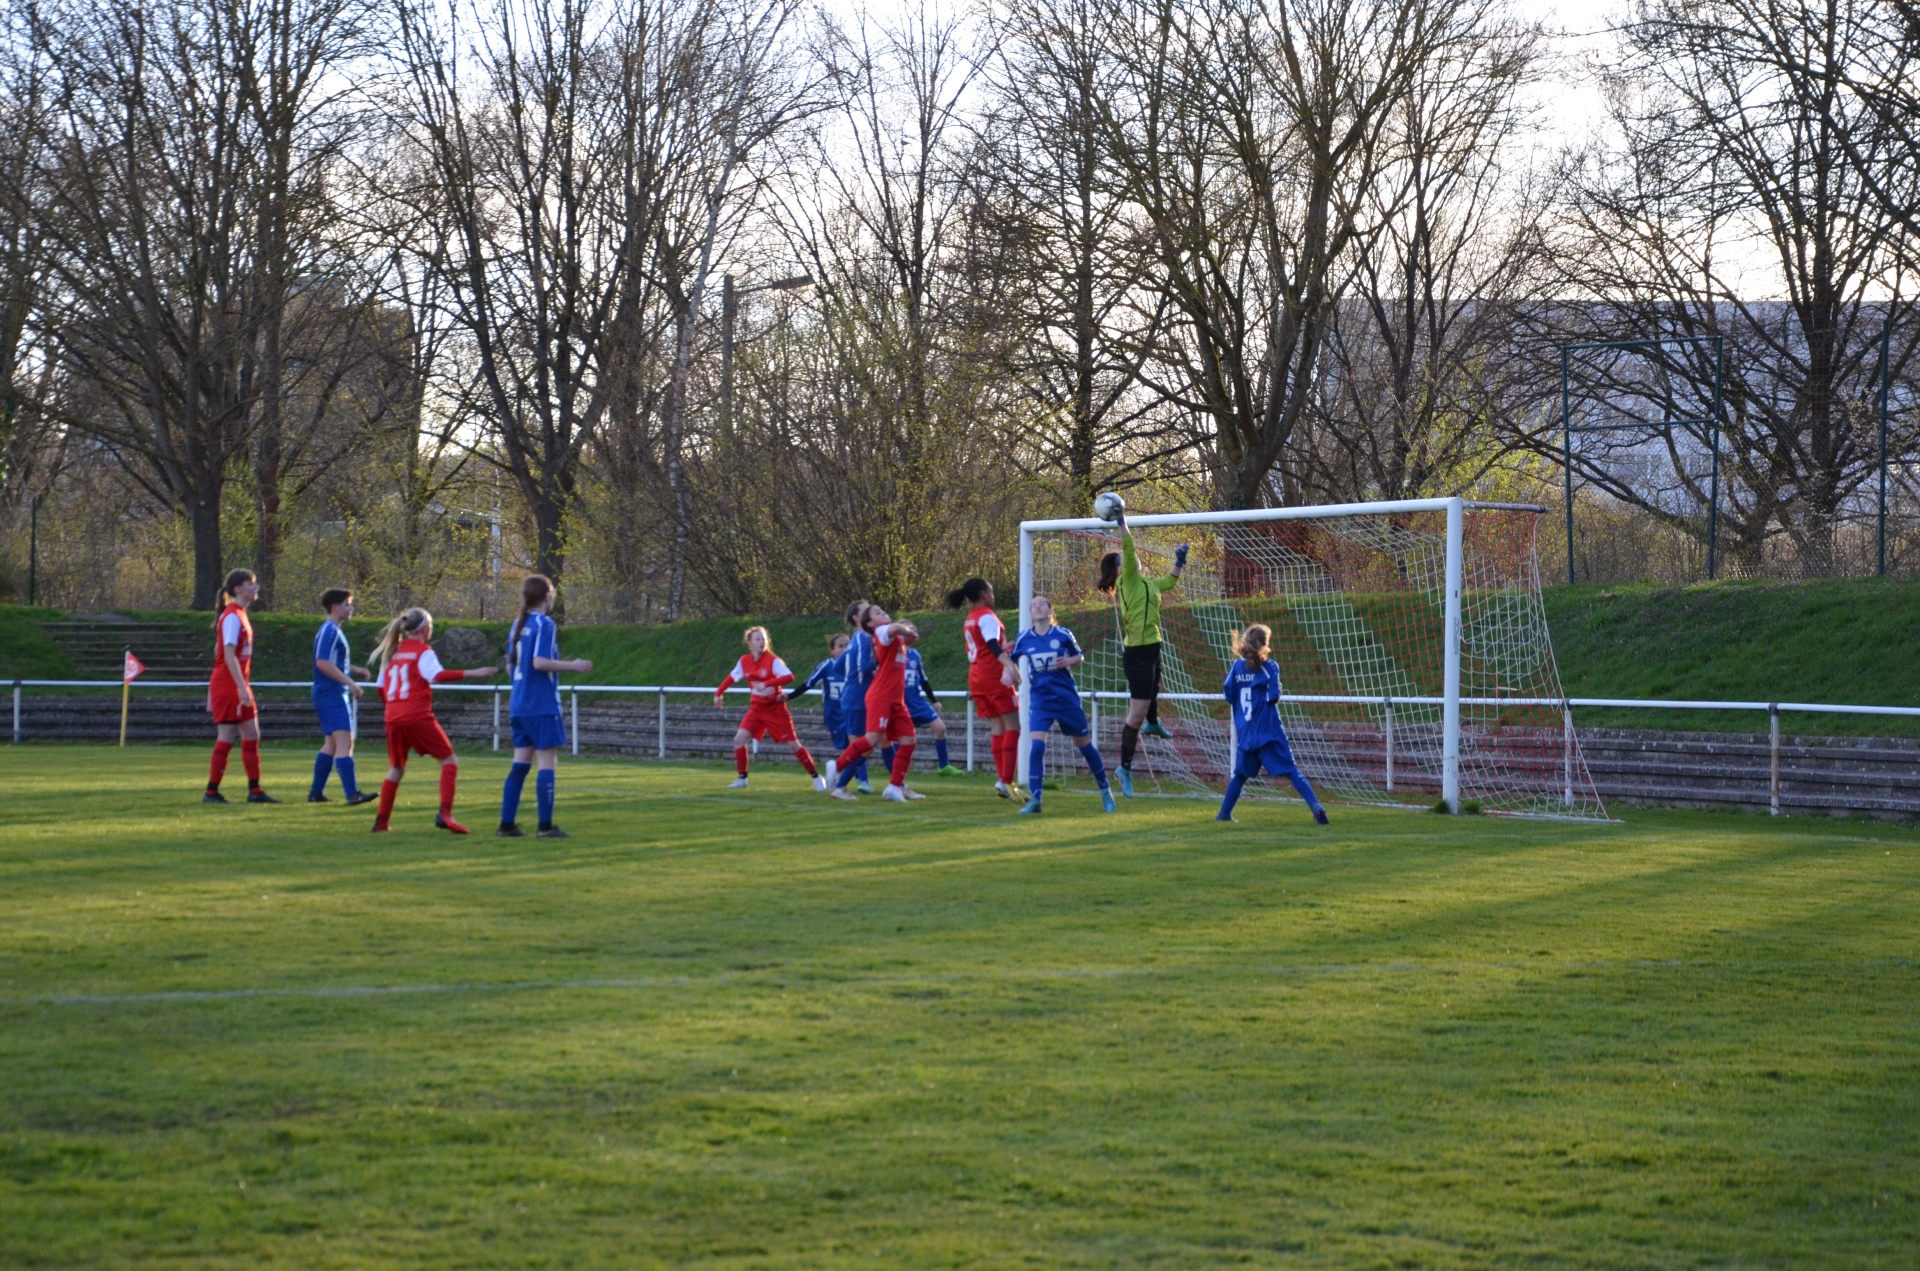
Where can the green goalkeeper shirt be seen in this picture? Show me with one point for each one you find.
(1139, 598)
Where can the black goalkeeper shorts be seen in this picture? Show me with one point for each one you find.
(1142, 665)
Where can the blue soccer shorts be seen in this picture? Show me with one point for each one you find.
(1274, 756)
(1072, 720)
(336, 716)
(541, 732)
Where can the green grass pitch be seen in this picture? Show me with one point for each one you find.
(758, 1029)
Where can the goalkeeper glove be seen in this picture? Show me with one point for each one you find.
(1180, 556)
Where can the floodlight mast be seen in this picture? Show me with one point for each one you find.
(1455, 509)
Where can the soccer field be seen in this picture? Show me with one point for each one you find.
(760, 1029)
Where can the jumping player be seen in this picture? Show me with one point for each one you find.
(1051, 653)
(533, 711)
(830, 677)
(766, 677)
(409, 669)
(991, 680)
(924, 710)
(236, 714)
(856, 666)
(333, 693)
(1253, 691)
(1139, 602)
(885, 704)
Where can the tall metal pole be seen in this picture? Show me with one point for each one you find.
(729, 309)
(1886, 375)
(1567, 457)
(1713, 488)
(1450, 677)
(33, 549)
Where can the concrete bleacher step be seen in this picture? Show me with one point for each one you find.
(97, 643)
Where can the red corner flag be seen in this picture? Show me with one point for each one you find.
(133, 669)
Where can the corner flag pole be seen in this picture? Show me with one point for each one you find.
(126, 690)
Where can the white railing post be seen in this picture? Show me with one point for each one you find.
(496, 719)
(575, 730)
(16, 714)
(1019, 625)
(1450, 688)
(663, 723)
(970, 714)
(1567, 712)
(1773, 782)
(1389, 702)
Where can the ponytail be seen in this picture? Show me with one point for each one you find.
(1253, 644)
(401, 628)
(969, 592)
(1109, 573)
(534, 590)
(236, 579)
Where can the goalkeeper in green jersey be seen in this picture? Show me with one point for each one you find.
(1139, 601)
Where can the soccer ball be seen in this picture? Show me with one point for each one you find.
(1109, 506)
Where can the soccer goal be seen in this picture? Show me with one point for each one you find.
(1410, 636)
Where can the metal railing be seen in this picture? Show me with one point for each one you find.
(1387, 705)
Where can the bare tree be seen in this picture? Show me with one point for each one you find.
(1735, 206)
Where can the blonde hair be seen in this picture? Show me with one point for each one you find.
(746, 638)
(1254, 643)
(401, 628)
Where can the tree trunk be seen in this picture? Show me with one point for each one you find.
(676, 463)
(209, 570)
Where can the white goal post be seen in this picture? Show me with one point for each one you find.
(1410, 636)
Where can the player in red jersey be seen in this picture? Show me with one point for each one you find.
(887, 717)
(991, 679)
(236, 715)
(409, 669)
(766, 678)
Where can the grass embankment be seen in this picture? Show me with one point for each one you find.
(758, 1029)
(26, 651)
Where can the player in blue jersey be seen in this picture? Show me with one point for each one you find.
(333, 694)
(925, 714)
(830, 677)
(533, 659)
(1253, 691)
(856, 672)
(1050, 654)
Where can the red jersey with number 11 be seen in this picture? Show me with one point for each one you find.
(407, 680)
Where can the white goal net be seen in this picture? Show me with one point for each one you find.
(1357, 600)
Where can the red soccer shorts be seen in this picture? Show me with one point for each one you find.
(891, 721)
(772, 719)
(991, 702)
(424, 736)
(224, 704)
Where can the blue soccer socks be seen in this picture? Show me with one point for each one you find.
(510, 793)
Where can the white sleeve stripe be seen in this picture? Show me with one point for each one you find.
(990, 627)
(884, 633)
(780, 668)
(230, 629)
(739, 672)
(430, 667)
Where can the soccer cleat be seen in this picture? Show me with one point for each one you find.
(911, 793)
(1319, 816)
(1156, 730)
(894, 794)
(1002, 789)
(949, 771)
(1106, 800)
(260, 796)
(356, 800)
(213, 796)
(318, 798)
(866, 787)
(1032, 808)
(551, 832)
(1126, 782)
(510, 830)
(831, 771)
(819, 785)
(738, 783)
(380, 827)
(1226, 816)
(448, 824)
(841, 792)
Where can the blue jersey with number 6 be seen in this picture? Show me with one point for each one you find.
(1254, 694)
